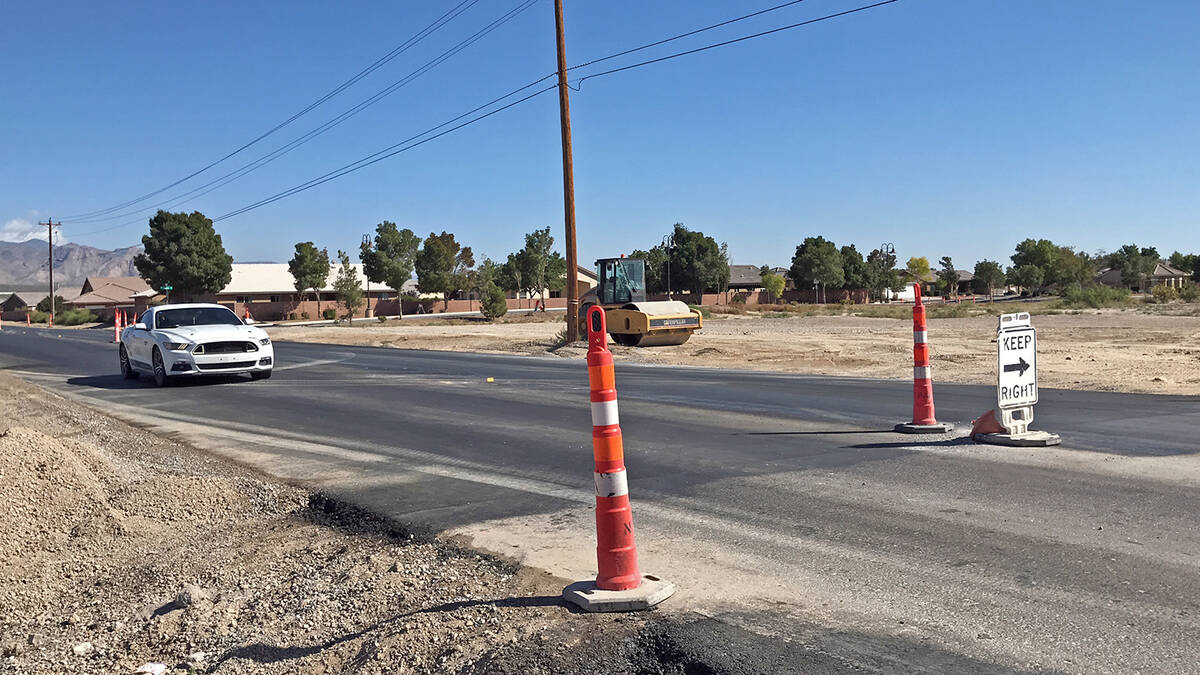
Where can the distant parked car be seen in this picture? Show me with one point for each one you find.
(190, 340)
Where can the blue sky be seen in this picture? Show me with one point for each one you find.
(945, 127)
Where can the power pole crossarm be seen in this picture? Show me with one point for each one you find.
(564, 114)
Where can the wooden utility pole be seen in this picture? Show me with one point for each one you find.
(564, 115)
(50, 225)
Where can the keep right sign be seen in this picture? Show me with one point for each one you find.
(1016, 351)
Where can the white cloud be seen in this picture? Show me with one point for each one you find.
(19, 229)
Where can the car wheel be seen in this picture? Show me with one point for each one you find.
(160, 369)
(127, 370)
(260, 374)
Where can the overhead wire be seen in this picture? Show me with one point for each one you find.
(408, 144)
(413, 142)
(378, 63)
(263, 160)
(200, 191)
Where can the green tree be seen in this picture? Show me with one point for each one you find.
(774, 285)
(390, 258)
(310, 269)
(656, 268)
(918, 269)
(698, 263)
(947, 276)
(1028, 277)
(988, 277)
(185, 252)
(1042, 254)
(855, 274)
(1134, 263)
(443, 266)
(347, 286)
(511, 274)
(1074, 268)
(537, 266)
(1182, 261)
(881, 273)
(44, 305)
(817, 260)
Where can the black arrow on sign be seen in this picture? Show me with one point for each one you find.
(1018, 368)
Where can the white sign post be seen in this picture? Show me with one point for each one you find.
(1016, 383)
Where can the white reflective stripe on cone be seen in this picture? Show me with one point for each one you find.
(919, 373)
(611, 484)
(604, 413)
(920, 337)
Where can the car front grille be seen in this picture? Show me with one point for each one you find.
(226, 366)
(225, 348)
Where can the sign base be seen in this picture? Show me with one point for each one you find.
(1029, 439)
(649, 593)
(910, 428)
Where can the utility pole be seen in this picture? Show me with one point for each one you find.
(564, 116)
(50, 225)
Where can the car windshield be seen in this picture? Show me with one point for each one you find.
(195, 316)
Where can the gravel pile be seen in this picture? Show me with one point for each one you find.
(122, 552)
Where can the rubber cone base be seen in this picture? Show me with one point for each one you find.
(1029, 439)
(910, 428)
(651, 592)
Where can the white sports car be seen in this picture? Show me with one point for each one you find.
(187, 340)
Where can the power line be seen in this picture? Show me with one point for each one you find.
(412, 142)
(329, 124)
(726, 43)
(265, 159)
(402, 147)
(403, 47)
(387, 152)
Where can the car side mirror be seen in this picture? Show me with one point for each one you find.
(249, 321)
(139, 326)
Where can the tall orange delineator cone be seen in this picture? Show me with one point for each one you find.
(619, 586)
(26, 319)
(923, 419)
(116, 326)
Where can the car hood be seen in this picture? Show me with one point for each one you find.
(214, 333)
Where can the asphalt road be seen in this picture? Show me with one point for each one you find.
(782, 506)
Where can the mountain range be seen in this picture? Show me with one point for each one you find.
(23, 264)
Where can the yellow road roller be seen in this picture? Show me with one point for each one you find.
(632, 321)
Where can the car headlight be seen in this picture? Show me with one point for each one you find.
(265, 341)
(176, 346)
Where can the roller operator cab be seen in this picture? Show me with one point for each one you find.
(632, 321)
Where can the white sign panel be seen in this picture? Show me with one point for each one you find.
(1016, 349)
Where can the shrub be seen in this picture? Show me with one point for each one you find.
(305, 315)
(329, 313)
(381, 319)
(1096, 296)
(74, 317)
(291, 316)
(704, 311)
(1162, 294)
(1190, 293)
(739, 299)
(39, 317)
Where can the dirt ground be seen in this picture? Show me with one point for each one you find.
(1101, 350)
(121, 552)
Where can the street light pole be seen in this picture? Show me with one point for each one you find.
(669, 244)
